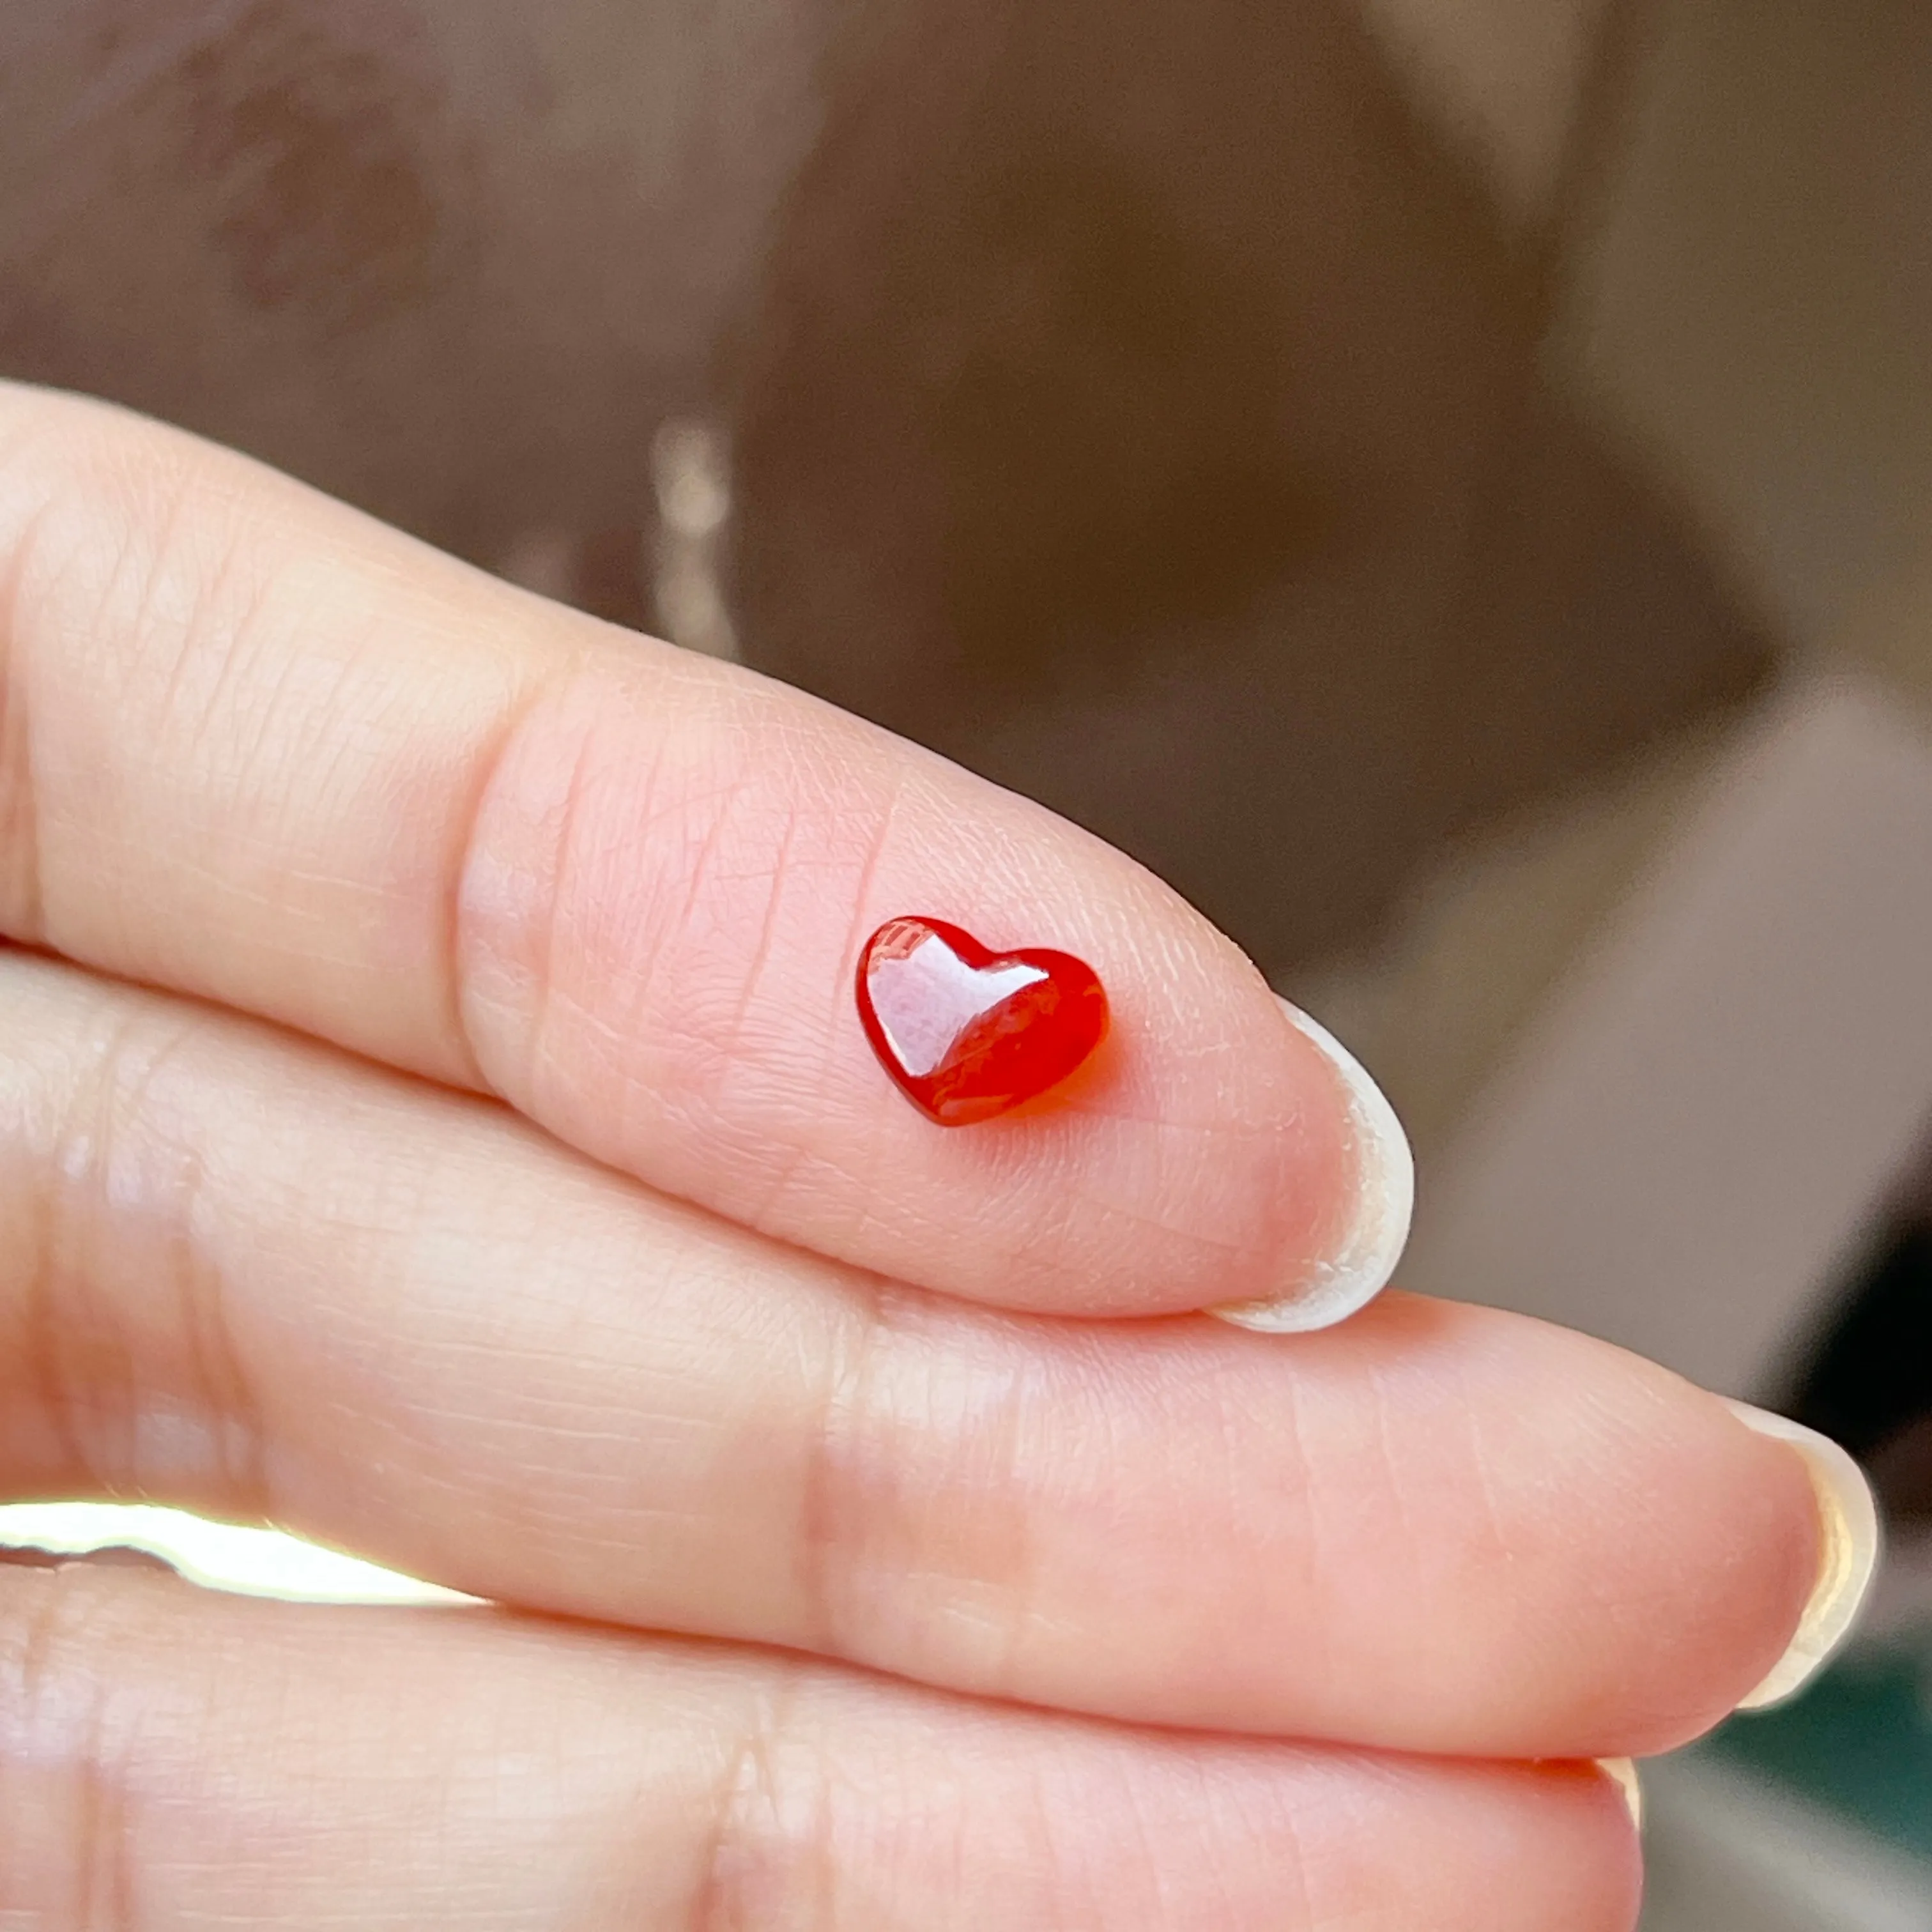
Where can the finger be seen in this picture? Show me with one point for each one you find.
(179, 1761)
(249, 1274)
(257, 747)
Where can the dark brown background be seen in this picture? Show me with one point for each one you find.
(1139, 404)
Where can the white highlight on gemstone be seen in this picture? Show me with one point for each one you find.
(924, 1001)
(1366, 1257)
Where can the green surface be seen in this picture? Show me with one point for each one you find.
(1859, 1742)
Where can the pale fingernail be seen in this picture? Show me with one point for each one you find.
(1622, 1773)
(1359, 1268)
(1848, 1553)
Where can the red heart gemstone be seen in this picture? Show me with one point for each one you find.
(968, 1033)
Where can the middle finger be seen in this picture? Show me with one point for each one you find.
(245, 1272)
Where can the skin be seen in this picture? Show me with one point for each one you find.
(432, 1117)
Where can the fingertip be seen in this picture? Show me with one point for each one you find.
(1767, 1555)
(1363, 1258)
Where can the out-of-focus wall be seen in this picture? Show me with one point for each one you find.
(1143, 404)
(1712, 968)
(1734, 215)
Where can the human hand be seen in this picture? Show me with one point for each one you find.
(432, 1117)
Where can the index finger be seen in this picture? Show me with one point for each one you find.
(257, 748)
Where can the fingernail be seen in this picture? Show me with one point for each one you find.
(1622, 1773)
(1848, 1553)
(1384, 1200)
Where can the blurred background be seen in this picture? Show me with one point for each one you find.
(1448, 483)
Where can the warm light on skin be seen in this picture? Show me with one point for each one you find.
(221, 1555)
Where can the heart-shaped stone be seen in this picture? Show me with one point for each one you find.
(968, 1032)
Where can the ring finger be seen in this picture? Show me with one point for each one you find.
(182, 1761)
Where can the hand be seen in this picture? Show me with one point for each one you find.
(432, 1117)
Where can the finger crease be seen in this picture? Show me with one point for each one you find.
(461, 866)
(825, 1507)
(753, 1856)
(59, 1309)
(56, 1709)
(235, 1412)
(24, 906)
